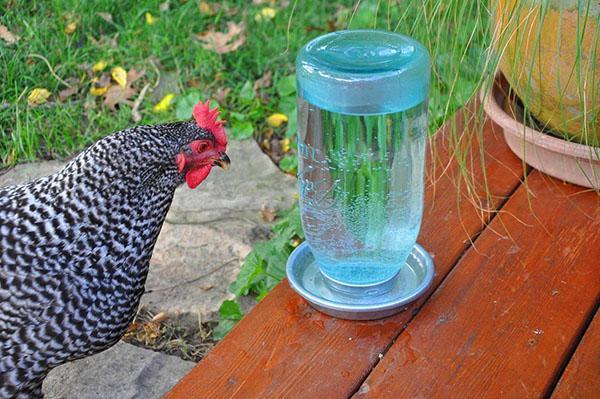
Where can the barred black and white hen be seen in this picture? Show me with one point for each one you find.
(75, 246)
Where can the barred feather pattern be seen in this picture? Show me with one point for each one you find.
(75, 249)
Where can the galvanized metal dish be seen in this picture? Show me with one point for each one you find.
(368, 302)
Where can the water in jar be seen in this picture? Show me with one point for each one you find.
(361, 189)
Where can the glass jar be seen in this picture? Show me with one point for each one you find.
(362, 121)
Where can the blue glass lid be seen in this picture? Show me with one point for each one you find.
(363, 72)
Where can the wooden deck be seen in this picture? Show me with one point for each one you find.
(510, 312)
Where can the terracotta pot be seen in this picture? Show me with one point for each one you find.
(557, 79)
(572, 162)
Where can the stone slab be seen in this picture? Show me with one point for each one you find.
(121, 372)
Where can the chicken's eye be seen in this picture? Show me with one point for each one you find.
(202, 147)
(199, 146)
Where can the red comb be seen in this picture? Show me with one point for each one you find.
(207, 119)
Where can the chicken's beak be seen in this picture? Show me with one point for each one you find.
(223, 161)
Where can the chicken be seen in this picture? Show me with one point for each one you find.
(75, 246)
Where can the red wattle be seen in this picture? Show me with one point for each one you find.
(194, 177)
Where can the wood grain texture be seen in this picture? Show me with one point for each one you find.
(581, 378)
(510, 313)
(284, 348)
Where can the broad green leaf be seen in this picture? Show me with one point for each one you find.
(262, 294)
(260, 288)
(296, 221)
(292, 126)
(291, 224)
(231, 310)
(286, 86)
(250, 270)
(241, 130)
(263, 249)
(247, 92)
(288, 104)
(229, 314)
(289, 163)
(237, 116)
(185, 105)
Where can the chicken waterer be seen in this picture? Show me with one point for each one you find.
(362, 133)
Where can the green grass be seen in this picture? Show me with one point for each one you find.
(454, 31)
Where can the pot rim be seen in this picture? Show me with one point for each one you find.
(516, 128)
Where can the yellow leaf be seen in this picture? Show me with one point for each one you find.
(285, 145)
(119, 75)
(150, 20)
(99, 66)
(165, 103)
(70, 28)
(268, 12)
(277, 120)
(98, 91)
(265, 14)
(38, 96)
(205, 8)
(100, 85)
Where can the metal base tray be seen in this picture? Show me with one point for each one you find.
(356, 302)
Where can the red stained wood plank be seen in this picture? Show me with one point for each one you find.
(511, 311)
(581, 378)
(284, 348)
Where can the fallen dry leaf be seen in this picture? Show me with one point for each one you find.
(105, 41)
(106, 16)
(100, 85)
(152, 331)
(268, 213)
(68, 92)
(206, 8)
(38, 96)
(11, 158)
(150, 20)
(160, 317)
(266, 144)
(7, 35)
(267, 13)
(146, 332)
(224, 42)
(99, 66)
(119, 75)
(98, 91)
(285, 145)
(164, 6)
(221, 94)
(264, 81)
(133, 327)
(165, 103)
(117, 94)
(276, 120)
(70, 28)
(134, 75)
